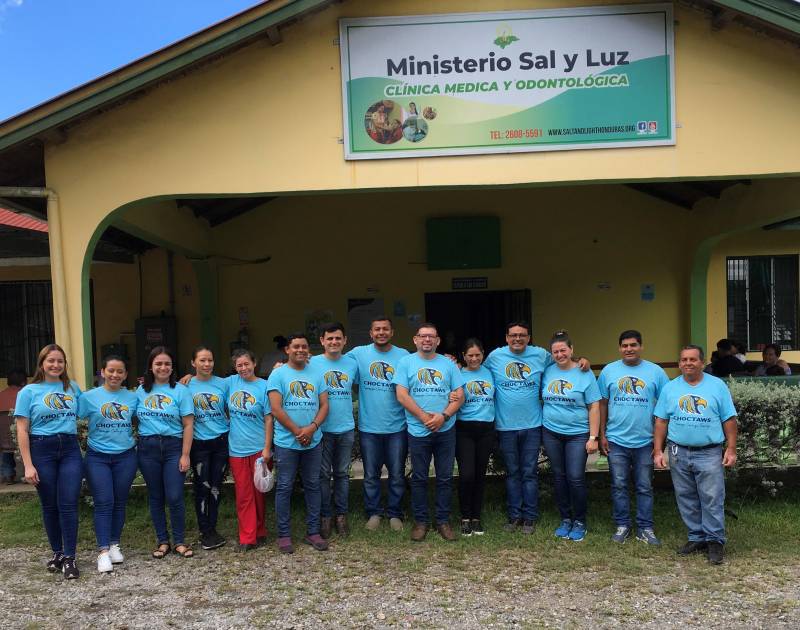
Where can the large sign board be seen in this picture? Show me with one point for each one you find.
(583, 78)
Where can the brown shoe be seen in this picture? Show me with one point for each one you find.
(342, 528)
(419, 531)
(325, 527)
(445, 531)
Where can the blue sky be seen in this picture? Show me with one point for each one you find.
(48, 47)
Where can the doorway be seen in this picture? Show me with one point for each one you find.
(481, 314)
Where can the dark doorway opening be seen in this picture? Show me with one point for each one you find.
(481, 314)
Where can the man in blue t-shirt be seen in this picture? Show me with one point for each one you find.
(430, 388)
(381, 424)
(340, 374)
(695, 414)
(629, 389)
(517, 369)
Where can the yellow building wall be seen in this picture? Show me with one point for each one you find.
(559, 242)
(268, 119)
(751, 243)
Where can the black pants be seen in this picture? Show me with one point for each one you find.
(209, 464)
(474, 444)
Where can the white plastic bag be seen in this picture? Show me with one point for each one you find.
(263, 475)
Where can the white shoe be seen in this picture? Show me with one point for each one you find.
(116, 554)
(104, 563)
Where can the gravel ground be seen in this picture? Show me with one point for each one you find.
(428, 585)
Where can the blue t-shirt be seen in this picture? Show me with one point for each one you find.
(209, 399)
(517, 380)
(340, 376)
(247, 406)
(565, 394)
(631, 391)
(49, 408)
(378, 409)
(110, 416)
(478, 395)
(161, 409)
(429, 382)
(695, 412)
(300, 390)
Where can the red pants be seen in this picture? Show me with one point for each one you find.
(249, 501)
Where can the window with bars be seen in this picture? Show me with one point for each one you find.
(763, 301)
(26, 324)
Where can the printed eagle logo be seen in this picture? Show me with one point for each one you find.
(205, 401)
(428, 376)
(113, 410)
(242, 399)
(300, 389)
(631, 385)
(157, 401)
(336, 379)
(517, 371)
(381, 370)
(479, 388)
(559, 387)
(58, 401)
(692, 404)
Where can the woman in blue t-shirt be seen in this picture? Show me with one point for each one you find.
(250, 438)
(166, 418)
(474, 437)
(110, 457)
(209, 454)
(46, 413)
(571, 419)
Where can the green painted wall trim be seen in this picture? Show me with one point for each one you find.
(782, 13)
(151, 75)
(206, 273)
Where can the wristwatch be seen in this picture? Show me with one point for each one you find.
(593, 438)
(446, 417)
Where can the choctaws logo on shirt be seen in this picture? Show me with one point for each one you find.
(336, 379)
(113, 410)
(631, 385)
(517, 371)
(58, 401)
(559, 387)
(429, 376)
(157, 401)
(205, 401)
(242, 399)
(479, 388)
(381, 370)
(301, 389)
(692, 404)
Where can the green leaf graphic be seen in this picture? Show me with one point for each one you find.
(506, 40)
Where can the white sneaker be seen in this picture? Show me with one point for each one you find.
(104, 563)
(116, 554)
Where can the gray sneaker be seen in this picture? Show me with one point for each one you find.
(647, 535)
(622, 534)
(528, 527)
(396, 524)
(374, 522)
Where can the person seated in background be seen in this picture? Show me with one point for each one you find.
(725, 363)
(739, 351)
(773, 365)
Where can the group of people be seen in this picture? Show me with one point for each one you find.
(419, 404)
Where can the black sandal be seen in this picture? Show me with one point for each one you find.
(186, 553)
(161, 552)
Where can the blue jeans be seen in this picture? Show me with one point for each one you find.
(337, 451)
(442, 447)
(57, 459)
(209, 460)
(699, 482)
(377, 450)
(621, 461)
(287, 461)
(568, 456)
(521, 453)
(110, 477)
(159, 456)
